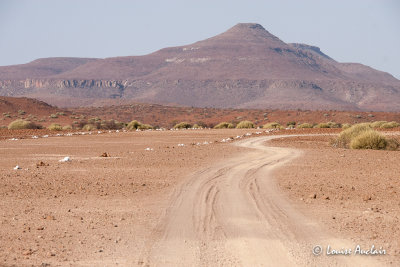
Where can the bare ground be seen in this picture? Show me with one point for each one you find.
(355, 193)
(141, 207)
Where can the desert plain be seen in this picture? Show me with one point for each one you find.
(232, 197)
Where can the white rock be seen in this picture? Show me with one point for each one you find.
(149, 149)
(17, 167)
(66, 159)
(181, 144)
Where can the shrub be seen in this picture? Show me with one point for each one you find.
(133, 125)
(322, 125)
(89, 127)
(60, 113)
(224, 125)
(392, 144)
(145, 127)
(55, 127)
(328, 125)
(22, 124)
(377, 124)
(53, 116)
(369, 139)
(183, 125)
(388, 125)
(67, 127)
(21, 112)
(346, 126)
(245, 125)
(111, 125)
(347, 135)
(272, 125)
(305, 125)
(291, 123)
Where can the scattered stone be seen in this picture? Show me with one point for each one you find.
(313, 196)
(41, 163)
(41, 228)
(327, 198)
(27, 252)
(49, 217)
(367, 197)
(105, 155)
(66, 159)
(17, 167)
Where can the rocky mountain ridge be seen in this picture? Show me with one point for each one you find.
(245, 67)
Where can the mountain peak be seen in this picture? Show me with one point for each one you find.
(250, 32)
(255, 26)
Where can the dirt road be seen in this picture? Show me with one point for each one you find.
(232, 214)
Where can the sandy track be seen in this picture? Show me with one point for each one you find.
(232, 214)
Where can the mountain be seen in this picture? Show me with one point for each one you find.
(244, 67)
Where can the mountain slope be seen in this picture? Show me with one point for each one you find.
(245, 66)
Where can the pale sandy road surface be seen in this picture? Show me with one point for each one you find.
(233, 214)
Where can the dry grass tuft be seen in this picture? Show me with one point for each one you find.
(183, 125)
(245, 125)
(224, 125)
(55, 127)
(22, 124)
(305, 125)
(272, 125)
(369, 139)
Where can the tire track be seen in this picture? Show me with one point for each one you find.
(233, 214)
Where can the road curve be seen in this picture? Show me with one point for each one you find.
(233, 214)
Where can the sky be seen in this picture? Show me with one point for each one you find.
(362, 31)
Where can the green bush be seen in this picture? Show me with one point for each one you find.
(67, 127)
(183, 125)
(305, 125)
(22, 124)
(369, 139)
(53, 116)
(224, 125)
(389, 125)
(55, 127)
(291, 123)
(245, 125)
(272, 125)
(21, 112)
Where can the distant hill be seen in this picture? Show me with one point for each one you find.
(244, 67)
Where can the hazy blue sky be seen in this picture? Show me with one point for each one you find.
(364, 31)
